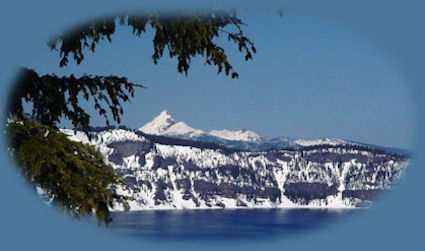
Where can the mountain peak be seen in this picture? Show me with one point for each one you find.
(164, 124)
(159, 124)
(164, 113)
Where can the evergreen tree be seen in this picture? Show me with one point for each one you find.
(72, 174)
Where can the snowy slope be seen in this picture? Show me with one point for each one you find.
(182, 129)
(170, 176)
(239, 135)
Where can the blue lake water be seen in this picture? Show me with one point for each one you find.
(217, 225)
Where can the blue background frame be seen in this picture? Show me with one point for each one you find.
(394, 223)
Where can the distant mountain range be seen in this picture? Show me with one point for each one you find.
(165, 125)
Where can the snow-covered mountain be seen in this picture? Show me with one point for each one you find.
(159, 124)
(165, 125)
(168, 173)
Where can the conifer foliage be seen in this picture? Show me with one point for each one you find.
(54, 98)
(72, 174)
(184, 36)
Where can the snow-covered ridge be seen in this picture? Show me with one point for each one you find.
(167, 176)
(239, 135)
(322, 141)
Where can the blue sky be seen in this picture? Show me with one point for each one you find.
(309, 79)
